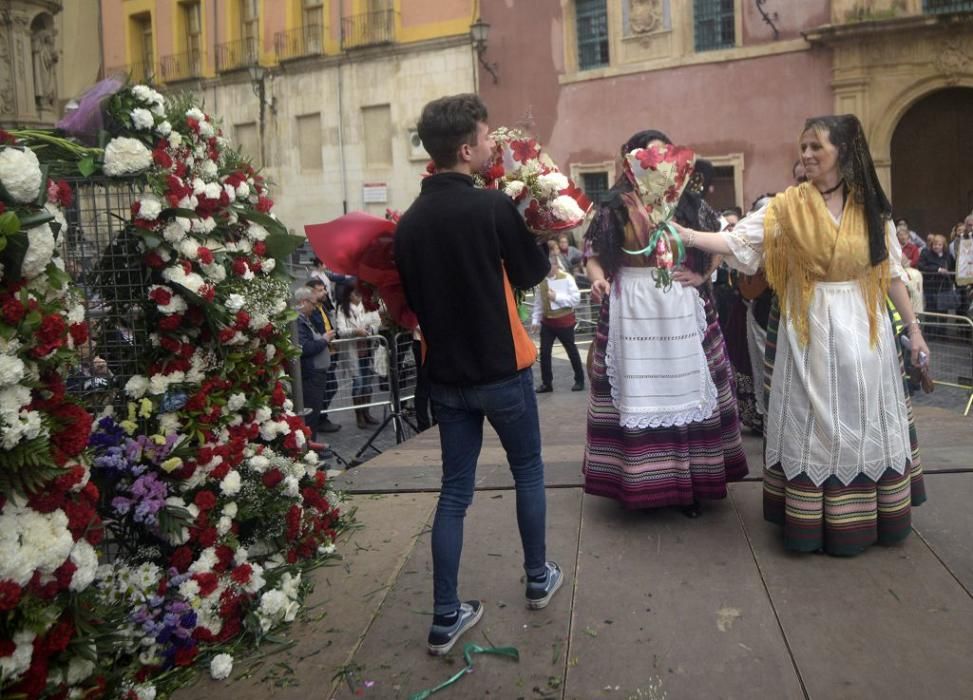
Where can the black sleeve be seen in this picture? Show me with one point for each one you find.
(924, 264)
(526, 263)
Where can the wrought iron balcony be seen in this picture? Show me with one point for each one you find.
(303, 41)
(234, 55)
(369, 29)
(182, 66)
(136, 72)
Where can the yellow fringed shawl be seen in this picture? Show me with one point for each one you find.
(803, 246)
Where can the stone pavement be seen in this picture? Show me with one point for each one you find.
(654, 606)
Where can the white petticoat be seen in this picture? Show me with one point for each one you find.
(654, 358)
(837, 407)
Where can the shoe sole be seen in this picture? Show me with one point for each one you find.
(541, 603)
(442, 649)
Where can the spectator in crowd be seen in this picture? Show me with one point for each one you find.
(331, 279)
(570, 257)
(730, 218)
(913, 284)
(323, 320)
(554, 303)
(460, 251)
(354, 321)
(913, 236)
(315, 357)
(910, 251)
(937, 265)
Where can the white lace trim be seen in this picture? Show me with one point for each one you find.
(690, 412)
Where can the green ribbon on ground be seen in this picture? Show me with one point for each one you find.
(468, 651)
(664, 227)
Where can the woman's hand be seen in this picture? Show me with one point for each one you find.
(599, 289)
(918, 346)
(688, 278)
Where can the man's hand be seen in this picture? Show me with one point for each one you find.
(330, 335)
(599, 289)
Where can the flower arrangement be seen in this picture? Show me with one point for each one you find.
(548, 199)
(658, 174)
(200, 481)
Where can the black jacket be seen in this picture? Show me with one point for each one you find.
(460, 251)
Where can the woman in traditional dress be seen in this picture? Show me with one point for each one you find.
(842, 466)
(662, 419)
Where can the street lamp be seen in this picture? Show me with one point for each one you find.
(479, 33)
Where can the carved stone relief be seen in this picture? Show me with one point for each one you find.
(645, 16)
(954, 59)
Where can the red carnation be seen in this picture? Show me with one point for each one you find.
(161, 296)
(241, 574)
(264, 204)
(170, 323)
(73, 436)
(272, 478)
(223, 469)
(154, 260)
(13, 311)
(186, 655)
(59, 637)
(239, 267)
(161, 158)
(260, 248)
(52, 329)
(205, 500)
(278, 397)
(79, 333)
(207, 536)
(9, 597)
(205, 255)
(181, 559)
(224, 557)
(207, 582)
(64, 573)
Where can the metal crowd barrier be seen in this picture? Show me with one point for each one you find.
(950, 340)
(586, 314)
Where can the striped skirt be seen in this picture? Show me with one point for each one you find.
(656, 467)
(837, 519)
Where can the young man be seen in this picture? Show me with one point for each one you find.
(554, 304)
(460, 251)
(322, 317)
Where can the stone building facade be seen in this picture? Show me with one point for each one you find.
(323, 94)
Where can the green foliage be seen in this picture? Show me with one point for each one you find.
(27, 468)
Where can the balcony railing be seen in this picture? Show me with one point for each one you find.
(303, 41)
(136, 72)
(369, 29)
(940, 7)
(182, 66)
(238, 54)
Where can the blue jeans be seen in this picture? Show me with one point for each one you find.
(511, 408)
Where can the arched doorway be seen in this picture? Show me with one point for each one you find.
(932, 161)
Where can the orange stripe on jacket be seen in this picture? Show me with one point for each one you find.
(524, 348)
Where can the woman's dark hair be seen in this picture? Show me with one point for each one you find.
(344, 293)
(858, 171)
(448, 123)
(642, 139)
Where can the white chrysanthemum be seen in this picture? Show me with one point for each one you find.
(40, 250)
(126, 156)
(142, 119)
(85, 558)
(514, 189)
(20, 173)
(150, 207)
(566, 209)
(11, 370)
(137, 386)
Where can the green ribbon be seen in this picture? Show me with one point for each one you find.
(468, 651)
(664, 227)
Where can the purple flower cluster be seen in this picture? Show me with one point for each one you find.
(147, 496)
(169, 622)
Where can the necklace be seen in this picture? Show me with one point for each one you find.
(827, 193)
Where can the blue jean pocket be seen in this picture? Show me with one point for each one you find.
(504, 402)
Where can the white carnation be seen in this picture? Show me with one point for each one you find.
(234, 303)
(236, 402)
(137, 386)
(150, 207)
(552, 183)
(164, 128)
(15, 665)
(221, 667)
(259, 463)
(11, 370)
(32, 541)
(189, 248)
(40, 250)
(142, 119)
(79, 669)
(174, 232)
(126, 156)
(257, 232)
(208, 169)
(514, 189)
(230, 486)
(86, 559)
(175, 139)
(195, 113)
(212, 190)
(242, 190)
(268, 265)
(565, 208)
(20, 173)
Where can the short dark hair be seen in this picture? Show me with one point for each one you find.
(448, 123)
(314, 282)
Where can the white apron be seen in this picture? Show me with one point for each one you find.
(654, 357)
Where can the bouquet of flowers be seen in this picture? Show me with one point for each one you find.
(548, 200)
(659, 175)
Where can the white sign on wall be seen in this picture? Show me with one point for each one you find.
(375, 192)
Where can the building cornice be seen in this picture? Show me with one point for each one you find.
(832, 34)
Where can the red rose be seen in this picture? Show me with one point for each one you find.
(205, 500)
(10, 594)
